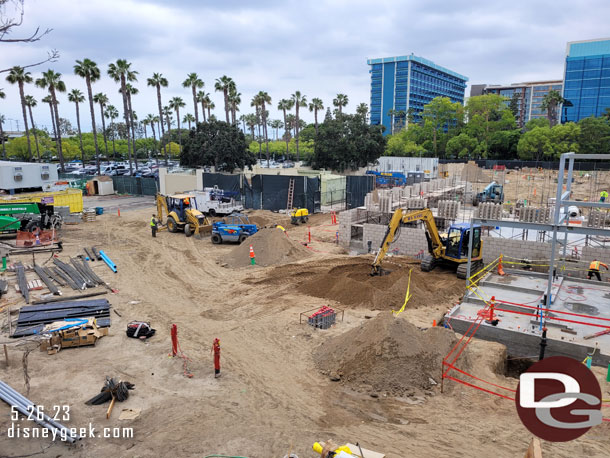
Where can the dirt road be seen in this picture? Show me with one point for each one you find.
(271, 399)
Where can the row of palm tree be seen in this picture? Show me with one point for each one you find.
(122, 73)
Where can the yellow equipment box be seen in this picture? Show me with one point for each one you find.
(71, 197)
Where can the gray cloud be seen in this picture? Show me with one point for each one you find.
(279, 46)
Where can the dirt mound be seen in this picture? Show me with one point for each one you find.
(271, 246)
(388, 354)
(351, 284)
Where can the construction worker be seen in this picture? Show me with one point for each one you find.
(186, 202)
(594, 269)
(216, 350)
(603, 196)
(153, 225)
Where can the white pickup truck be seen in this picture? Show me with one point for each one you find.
(215, 201)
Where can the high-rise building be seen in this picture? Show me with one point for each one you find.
(529, 97)
(587, 79)
(401, 86)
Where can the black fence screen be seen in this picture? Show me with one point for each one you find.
(356, 188)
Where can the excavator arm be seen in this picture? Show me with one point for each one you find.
(401, 217)
(161, 205)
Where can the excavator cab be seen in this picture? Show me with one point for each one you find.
(456, 243)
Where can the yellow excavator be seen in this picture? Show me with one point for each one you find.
(451, 249)
(182, 215)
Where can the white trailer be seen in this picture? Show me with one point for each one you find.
(215, 201)
(27, 175)
(428, 165)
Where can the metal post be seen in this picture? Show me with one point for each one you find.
(567, 219)
(470, 240)
(560, 174)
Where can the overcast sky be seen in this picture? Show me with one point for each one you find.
(318, 47)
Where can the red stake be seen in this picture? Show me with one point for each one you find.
(174, 333)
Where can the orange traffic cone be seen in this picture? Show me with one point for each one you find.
(491, 308)
(252, 257)
(500, 268)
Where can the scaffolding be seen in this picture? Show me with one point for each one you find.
(560, 222)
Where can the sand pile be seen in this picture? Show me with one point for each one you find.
(388, 354)
(351, 284)
(271, 246)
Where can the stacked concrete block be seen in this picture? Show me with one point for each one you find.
(448, 209)
(346, 219)
(410, 241)
(535, 214)
(416, 203)
(425, 186)
(385, 203)
(488, 210)
(598, 218)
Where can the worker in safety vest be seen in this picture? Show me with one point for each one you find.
(603, 196)
(153, 225)
(186, 202)
(594, 269)
(216, 350)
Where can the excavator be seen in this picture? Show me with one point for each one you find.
(182, 215)
(451, 249)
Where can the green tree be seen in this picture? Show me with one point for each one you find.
(503, 144)
(341, 101)
(315, 105)
(52, 81)
(234, 102)
(536, 144)
(102, 100)
(513, 105)
(122, 73)
(347, 143)
(17, 75)
(76, 97)
(49, 101)
(286, 105)
(298, 100)
(31, 102)
(537, 122)
(263, 99)
(461, 146)
(276, 124)
(224, 85)
(194, 82)
(2, 133)
(565, 138)
(151, 120)
(132, 90)
(219, 144)
(112, 113)
(440, 113)
(402, 144)
(487, 114)
(89, 70)
(158, 81)
(594, 135)
(201, 98)
(550, 103)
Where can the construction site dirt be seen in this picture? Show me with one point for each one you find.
(275, 395)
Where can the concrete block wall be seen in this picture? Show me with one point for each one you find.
(346, 219)
(410, 240)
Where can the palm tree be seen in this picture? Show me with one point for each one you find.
(189, 118)
(276, 124)
(256, 103)
(30, 101)
(131, 90)
(263, 99)
(299, 101)
(89, 70)
(2, 131)
(315, 106)
(19, 76)
(224, 85)
(285, 105)
(550, 102)
(363, 111)
(75, 96)
(102, 99)
(176, 103)
(194, 82)
(121, 73)
(167, 112)
(251, 122)
(52, 81)
(201, 98)
(158, 81)
(234, 101)
(112, 113)
(151, 120)
(210, 106)
(340, 101)
(49, 101)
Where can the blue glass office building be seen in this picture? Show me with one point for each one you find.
(405, 82)
(587, 79)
